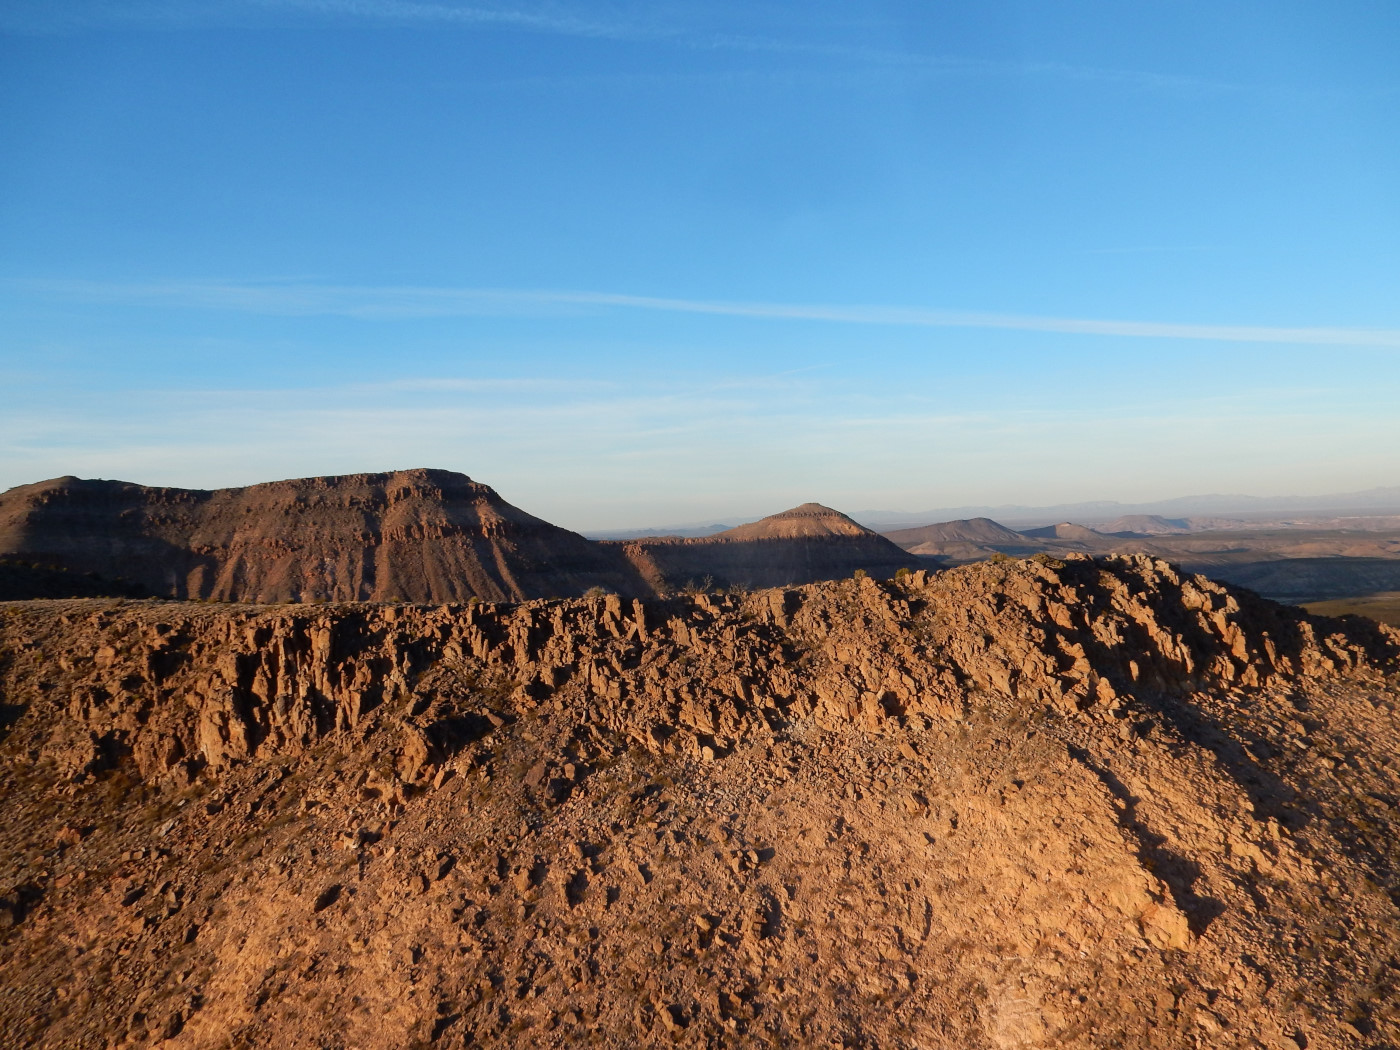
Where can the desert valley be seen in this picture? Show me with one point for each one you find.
(384, 761)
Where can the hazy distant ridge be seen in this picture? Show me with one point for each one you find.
(1381, 500)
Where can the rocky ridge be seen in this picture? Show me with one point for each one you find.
(1039, 803)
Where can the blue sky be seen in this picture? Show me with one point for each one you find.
(647, 263)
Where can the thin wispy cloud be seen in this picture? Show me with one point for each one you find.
(602, 455)
(1153, 249)
(547, 19)
(638, 24)
(58, 16)
(490, 386)
(915, 62)
(407, 302)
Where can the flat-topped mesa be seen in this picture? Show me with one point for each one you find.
(801, 545)
(415, 535)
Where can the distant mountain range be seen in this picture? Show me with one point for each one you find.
(1290, 564)
(438, 536)
(1107, 512)
(1208, 511)
(414, 535)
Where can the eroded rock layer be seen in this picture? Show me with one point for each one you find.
(412, 535)
(1096, 803)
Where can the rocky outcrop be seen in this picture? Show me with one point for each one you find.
(802, 545)
(414, 535)
(1025, 804)
(183, 689)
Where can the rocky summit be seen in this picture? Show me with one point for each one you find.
(1090, 802)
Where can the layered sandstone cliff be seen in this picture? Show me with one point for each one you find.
(1031, 804)
(413, 535)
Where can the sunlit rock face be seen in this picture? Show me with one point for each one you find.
(1077, 803)
(414, 535)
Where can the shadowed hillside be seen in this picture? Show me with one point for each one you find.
(414, 535)
(959, 542)
(802, 545)
(21, 580)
